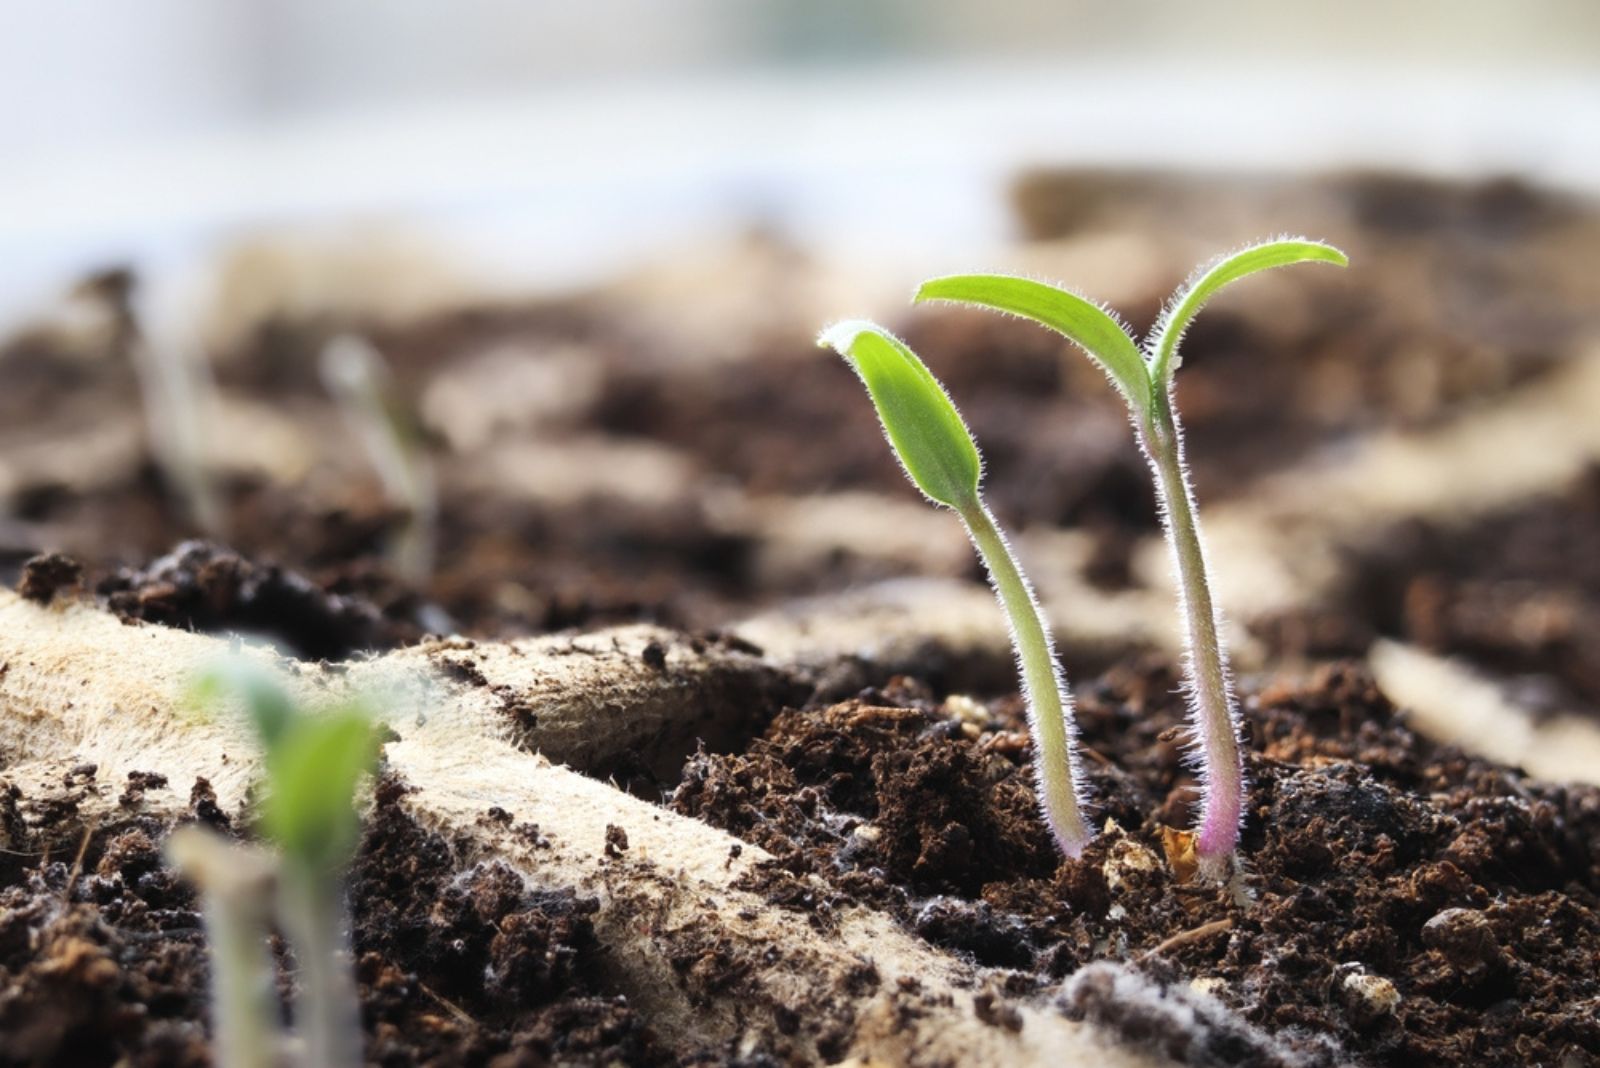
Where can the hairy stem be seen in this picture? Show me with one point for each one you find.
(326, 1012)
(1205, 665)
(1055, 760)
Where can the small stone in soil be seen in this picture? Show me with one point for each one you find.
(1464, 937)
(1368, 997)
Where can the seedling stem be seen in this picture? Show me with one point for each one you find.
(1205, 669)
(1049, 708)
(235, 884)
(933, 444)
(312, 909)
(179, 393)
(362, 385)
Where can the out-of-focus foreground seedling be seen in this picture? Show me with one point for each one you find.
(235, 882)
(314, 761)
(1145, 380)
(938, 453)
(359, 380)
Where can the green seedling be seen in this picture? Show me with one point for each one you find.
(314, 759)
(235, 883)
(939, 455)
(179, 396)
(359, 380)
(1144, 378)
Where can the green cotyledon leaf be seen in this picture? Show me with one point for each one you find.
(1080, 321)
(312, 775)
(314, 760)
(928, 434)
(1213, 277)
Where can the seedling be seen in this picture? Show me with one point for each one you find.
(361, 383)
(314, 762)
(1145, 380)
(235, 883)
(179, 394)
(939, 455)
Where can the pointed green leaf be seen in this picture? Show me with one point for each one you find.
(314, 760)
(312, 774)
(1205, 283)
(928, 434)
(1080, 321)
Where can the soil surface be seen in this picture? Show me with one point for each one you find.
(1516, 593)
(1411, 906)
(1407, 905)
(103, 958)
(1453, 305)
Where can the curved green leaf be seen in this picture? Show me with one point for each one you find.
(1080, 321)
(1206, 282)
(928, 434)
(314, 760)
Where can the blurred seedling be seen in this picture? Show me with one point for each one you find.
(314, 760)
(179, 394)
(939, 455)
(362, 385)
(236, 885)
(1144, 377)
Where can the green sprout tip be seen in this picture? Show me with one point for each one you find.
(937, 451)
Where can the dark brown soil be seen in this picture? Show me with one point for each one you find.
(103, 959)
(205, 587)
(1516, 593)
(506, 568)
(464, 967)
(47, 574)
(1447, 311)
(1379, 865)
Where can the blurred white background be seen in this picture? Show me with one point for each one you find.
(551, 142)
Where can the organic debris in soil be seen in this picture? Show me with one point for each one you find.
(104, 961)
(46, 575)
(205, 587)
(1412, 906)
